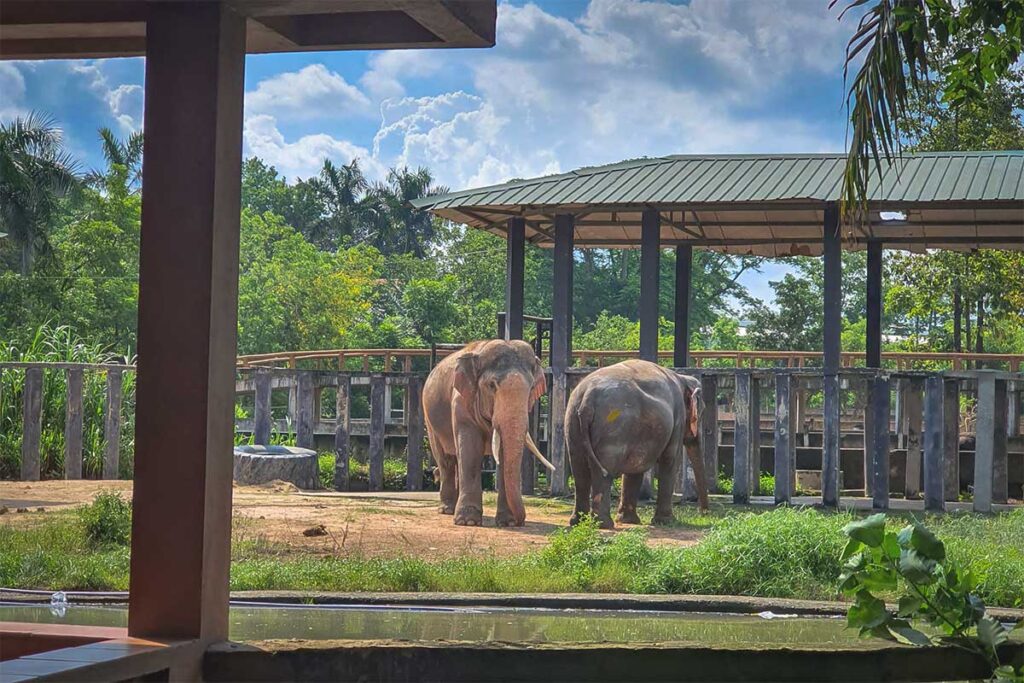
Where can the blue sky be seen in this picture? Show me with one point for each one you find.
(570, 83)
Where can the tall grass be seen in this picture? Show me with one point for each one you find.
(59, 344)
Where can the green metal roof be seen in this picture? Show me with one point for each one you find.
(959, 200)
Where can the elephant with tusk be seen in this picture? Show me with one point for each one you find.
(477, 401)
(622, 420)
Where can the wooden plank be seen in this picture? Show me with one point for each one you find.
(913, 417)
(261, 409)
(561, 350)
(743, 437)
(515, 265)
(830, 442)
(934, 444)
(833, 299)
(681, 341)
(32, 423)
(415, 427)
(377, 426)
(341, 433)
(73, 425)
(951, 438)
(984, 448)
(304, 410)
(650, 259)
(873, 355)
(785, 448)
(112, 425)
(878, 406)
(709, 430)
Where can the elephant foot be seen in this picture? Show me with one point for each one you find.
(506, 519)
(577, 517)
(663, 520)
(628, 517)
(469, 516)
(446, 509)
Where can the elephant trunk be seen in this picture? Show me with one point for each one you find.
(510, 424)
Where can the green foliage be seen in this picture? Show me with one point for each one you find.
(107, 520)
(932, 589)
(325, 468)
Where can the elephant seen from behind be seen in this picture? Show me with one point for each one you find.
(622, 420)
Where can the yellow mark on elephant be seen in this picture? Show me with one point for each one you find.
(614, 415)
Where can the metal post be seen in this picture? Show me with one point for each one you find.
(650, 257)
(515, 265)
(561, 348)
(832, 326)
(681, 344)
(934, 444)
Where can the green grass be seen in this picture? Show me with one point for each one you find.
(784, 552)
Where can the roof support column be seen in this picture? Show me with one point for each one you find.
(681, 345)
(188, 303)
(831, 338)
(650, 257)
(561, 348)
(515, 264)
(873, 343)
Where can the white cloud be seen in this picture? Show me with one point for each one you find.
(12, 92)
(303, 157)
(312, 92)
(125, 101)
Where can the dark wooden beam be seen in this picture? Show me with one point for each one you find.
(515, 264)
(833, 301)
(874, 305)
(681, 345)
(188, 304)
(561, 348)
(877, 441)
(650, 260)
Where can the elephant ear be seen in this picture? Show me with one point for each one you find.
(540, 385)
(466, 375)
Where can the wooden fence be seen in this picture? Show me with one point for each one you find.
(916, 415)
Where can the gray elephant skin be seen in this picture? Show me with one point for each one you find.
(622, 420)
(477, 401)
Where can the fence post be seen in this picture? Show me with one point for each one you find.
(261, 409)
(32, 423)
(414, 436)
(990, 443)
(912, 415)
(112, 425)
(709, 430)
(878, 405)
(830, 441)
(304, 410)
(1000, 464)
(934, 444)
(73, 426)
(376, 454)
(951, 438)
(341, 432)
(743, 443)
(785, 453)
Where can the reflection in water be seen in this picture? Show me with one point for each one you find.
(508, 625)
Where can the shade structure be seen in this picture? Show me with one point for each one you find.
(37, 29)
(768, 205)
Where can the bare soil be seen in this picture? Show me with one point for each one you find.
(369, 524)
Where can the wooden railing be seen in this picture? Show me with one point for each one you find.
(408, 360)
(741, 402)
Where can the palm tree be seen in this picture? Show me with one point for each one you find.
(416, 228)
(35, 173)
(343, 189)
(126, 154)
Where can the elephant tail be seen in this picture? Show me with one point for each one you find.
(582, 424)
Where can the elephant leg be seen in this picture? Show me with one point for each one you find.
(448, 474)
(582, 477)
(469, 510)
(630, 493)
(601, 500)
(668, 469)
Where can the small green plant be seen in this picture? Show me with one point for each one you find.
(325, 464)
(107, 520)
(879, 562)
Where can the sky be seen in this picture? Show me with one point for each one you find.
(570, 83)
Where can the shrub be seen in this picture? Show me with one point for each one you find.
(107, 520)
(325, 465)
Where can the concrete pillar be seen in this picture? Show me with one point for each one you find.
(561, 349)
(515, 265)
(833, 302)
(681, 346)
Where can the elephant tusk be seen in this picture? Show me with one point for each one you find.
(536, 451)
(496, 447)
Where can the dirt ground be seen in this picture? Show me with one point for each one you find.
(372, 525)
